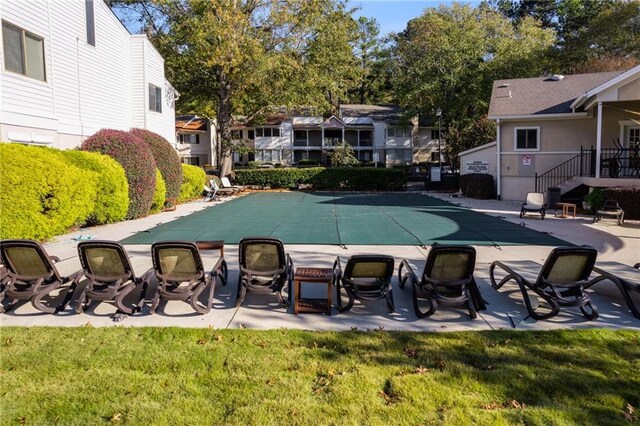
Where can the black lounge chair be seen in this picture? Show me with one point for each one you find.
(264, 268)
(561, 281)
(626, 278)
(31, 275)
(178, 267)
(111, 278)
(534, 203)
(365, 277)
(447, 279)
(610, 208)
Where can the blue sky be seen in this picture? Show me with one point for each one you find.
(393, 15)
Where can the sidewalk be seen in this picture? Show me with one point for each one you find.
(505, 307)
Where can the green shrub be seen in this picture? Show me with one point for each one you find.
(167, 160)
(160, 194)
(42, 194)
(594, 199)
(254, 164)
(136, 158)
(193, 179)
(478, 185)
(628, 197)
(321, 178)
(112, 191)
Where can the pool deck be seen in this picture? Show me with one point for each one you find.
(505, 307)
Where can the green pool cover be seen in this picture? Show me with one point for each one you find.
(344, 219)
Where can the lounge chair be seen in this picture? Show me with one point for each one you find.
(447, 279)
(227, 184)
(534, 203)
(210, 193)
(31, 275)
(222, 191)
(612, 209)
(178, 267)
(626, 278)
(111, 278)
(561, 281)
(365, 277)
(264, 267)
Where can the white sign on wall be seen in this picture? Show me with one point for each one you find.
(435, 174)
(526, 160)
(476, 166)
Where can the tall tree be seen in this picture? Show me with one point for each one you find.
(591, 35)
(370, 50)
(238, 57)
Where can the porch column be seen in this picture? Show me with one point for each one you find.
(498, 160)
(599, 140)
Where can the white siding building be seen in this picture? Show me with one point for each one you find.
(70, 68)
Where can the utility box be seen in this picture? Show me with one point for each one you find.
(553, 197)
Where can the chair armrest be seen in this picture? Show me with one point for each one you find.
(337, 270)
(404, 263)
(289, 266)
(637, 265)
(217, 267)
(54, 259)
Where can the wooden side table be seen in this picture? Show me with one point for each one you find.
(312, 275)
(566, 208)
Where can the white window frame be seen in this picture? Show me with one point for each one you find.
(23, 35)
(515, 139)
(157, 102)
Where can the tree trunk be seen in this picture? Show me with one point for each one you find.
(224, 125)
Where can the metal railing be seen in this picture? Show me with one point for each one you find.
(614, 163)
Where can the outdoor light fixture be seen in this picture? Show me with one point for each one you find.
(439, 115)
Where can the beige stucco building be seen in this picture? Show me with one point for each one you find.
(565, 131)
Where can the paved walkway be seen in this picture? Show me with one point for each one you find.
(505, 308)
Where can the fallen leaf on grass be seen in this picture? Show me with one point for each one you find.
(629, 413)
(202, 341)
(411, 353)
(116, 418)
(421, 370)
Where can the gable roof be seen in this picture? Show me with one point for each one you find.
(630, 74)
(390, 114)
(540, 95)
(191, 123)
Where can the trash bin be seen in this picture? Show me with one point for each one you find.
(553, 197)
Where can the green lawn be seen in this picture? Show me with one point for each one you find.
(206, 376)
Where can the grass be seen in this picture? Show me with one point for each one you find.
(207, 376)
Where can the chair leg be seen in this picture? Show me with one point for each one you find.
(119, 301)
(433, 304)
(36, 301)
(555, 307)
(225, 273)
(193, 300)
(154, 304)
(80, 308)
(12, 305)
(342, 307)
(241, 293)
(390, 302)
(591, 313)
(470, 305)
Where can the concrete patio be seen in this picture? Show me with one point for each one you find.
(505, 307)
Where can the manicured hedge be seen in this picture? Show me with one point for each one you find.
(42, 194)
(477, 185)
(321, 178)
(136, 158)
(167, 160)
(159, 194)
(628, 197)
(112, 190)
(193, 179)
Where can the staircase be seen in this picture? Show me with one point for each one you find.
(566, 175)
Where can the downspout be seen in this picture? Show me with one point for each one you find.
(498, 159)
(145, 86)
(599, 141)
(79, 85)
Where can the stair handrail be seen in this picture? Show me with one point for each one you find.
(563, 172)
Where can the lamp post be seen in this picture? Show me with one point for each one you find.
(439, 115)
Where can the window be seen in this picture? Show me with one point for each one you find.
(155, 98)
(90, 22)
(398, 132)
(236, 135)
(276, 132)
(259, 132)
(23, 52)
(189, 138)
(435, 134)
(434, 157)
(527, 138)
(365, 137)
(252, 135)
(266, 132)
(268, 155)
(194, 161)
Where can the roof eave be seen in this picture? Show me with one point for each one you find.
(526, 117)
